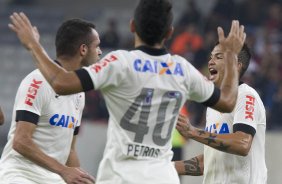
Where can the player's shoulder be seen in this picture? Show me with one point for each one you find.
(34, 75)
(119, 53)
(245, 88)
(117, 56)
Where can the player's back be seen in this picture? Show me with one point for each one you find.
(144, 100)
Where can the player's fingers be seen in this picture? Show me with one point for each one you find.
(220, 33)
(25, 18)
(244, 38)
(233, 27)
(35, 29)
(181, 124)
(12, 27)
(181, 119)
(85, 181)
(242, 33)
(85, 175)
(17, 20)
(236, 28)
(14, 21)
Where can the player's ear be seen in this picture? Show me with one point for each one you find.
(169, 33)
(132, 25)
(83, 49)
(240, 66)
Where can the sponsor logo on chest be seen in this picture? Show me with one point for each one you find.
(218, 128)
(64, 121)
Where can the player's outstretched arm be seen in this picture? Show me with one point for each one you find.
(231, 45)
(192, 167)
(238, 143)
(2, 118)
(57, 77)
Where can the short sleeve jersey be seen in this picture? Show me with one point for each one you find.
(221, 167)
(56, 117)
(144, 90)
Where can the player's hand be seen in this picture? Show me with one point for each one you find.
(27, 34)
(184, 126)
(73, 175)
(235, 39)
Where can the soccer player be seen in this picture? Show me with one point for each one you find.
(2, 118)
(42, 137)
(144, 90)
(234, 150)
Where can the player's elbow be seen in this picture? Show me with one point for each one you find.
(20, 143)
(17, 144)
(243, 144)
(244, 151)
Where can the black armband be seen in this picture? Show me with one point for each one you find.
(76, 131)
(213, 99)
(23, 115)
(85, 79)
(244, 128)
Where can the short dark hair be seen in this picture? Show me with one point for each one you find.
(71, 34)
(244, 57)
(153, 19)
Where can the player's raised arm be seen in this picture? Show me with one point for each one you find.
(231, 45)
(58, 77)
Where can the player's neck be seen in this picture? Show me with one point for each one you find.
(70, 64)
(138, 42)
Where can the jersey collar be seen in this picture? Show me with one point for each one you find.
(152, 51)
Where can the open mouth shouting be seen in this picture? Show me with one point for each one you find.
(213, 73)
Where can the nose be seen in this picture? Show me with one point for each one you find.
(99, 51)
(211, 61)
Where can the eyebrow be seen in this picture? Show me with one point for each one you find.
(219, 54)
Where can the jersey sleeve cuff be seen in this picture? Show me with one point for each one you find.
(244, 128)
(85, 79)
(213, 99)
(76, 131)
(23, 115)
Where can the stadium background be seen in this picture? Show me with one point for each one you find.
(195, 33)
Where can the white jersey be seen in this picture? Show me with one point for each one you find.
(225, 168)
(58, 118)
(143, 94)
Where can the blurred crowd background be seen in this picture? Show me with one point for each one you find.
(195, 34)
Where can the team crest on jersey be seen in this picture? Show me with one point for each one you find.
(158, 67)
(218, 128)
(77, 101)
(64, 121)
